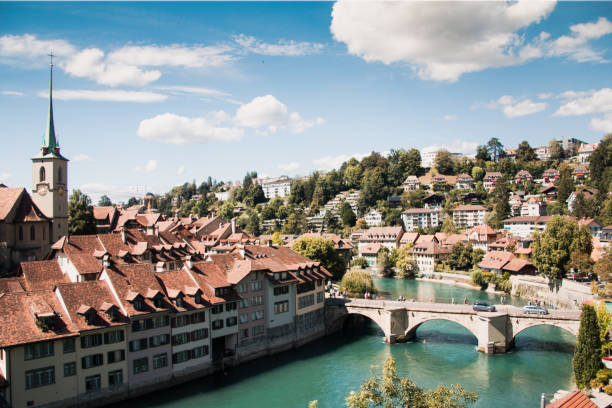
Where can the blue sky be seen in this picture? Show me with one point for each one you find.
(150, 95)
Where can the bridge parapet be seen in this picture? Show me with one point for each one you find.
(495, 331)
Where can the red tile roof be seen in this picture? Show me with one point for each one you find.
(93, 296)
(371, 249)
(517, 265)
(8, 199)
(576, 399)
(470, 207)
(80, 251)
(42, 275)
(18, 320)
(495, 260)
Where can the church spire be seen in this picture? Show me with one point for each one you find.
(50, 142)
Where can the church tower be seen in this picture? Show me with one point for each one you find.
(50, 176)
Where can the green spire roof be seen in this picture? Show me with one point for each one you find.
(50, 146)
(50, 142)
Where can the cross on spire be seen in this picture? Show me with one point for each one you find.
(51, 55)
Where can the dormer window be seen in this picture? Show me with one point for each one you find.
(158, 301)
(138, 303)
(179, 301)
(198, 298)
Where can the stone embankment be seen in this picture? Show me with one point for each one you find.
(564, 295)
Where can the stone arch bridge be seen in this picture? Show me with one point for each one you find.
(399, 321)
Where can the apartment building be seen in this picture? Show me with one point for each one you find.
(386, 236)
(414, 218)
(373, 218)
(466, 216)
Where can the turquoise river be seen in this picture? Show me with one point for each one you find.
(443, 353)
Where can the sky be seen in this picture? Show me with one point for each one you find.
(151, 95)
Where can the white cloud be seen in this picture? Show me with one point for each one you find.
(29, 46)
(90, 63)
(184, 89)
(269, 113)
(585, 102)
(119, 193)
(439, 41)
(281, 48)
(514, 108)
(12, 93)
(603, 124)
(575, 46)
(105, 95)
(83, 157)
(180, 170)
(456, 146)
(450, 117)
(147, 168)
(288, 167)
(181, 130)
(333, 162)
(5, 176)
(546, 95)
(197, 56)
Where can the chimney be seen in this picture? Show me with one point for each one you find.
(106, 261)
(233, 225)
(188, 261)
(156, 230)
(123, 235)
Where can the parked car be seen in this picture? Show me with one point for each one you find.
(532, 309)
(483, 307)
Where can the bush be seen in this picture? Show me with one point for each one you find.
(356, 283)
(608, 389)
(596, 384)
(478, 278)
(504, 285)
(360, 262)
(604, 375)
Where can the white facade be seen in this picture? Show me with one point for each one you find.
(373, 218)
(467, 216)
(420, 218)
(276, 188)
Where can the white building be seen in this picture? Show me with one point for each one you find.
(411, 183)
(428, 158)
(414, 218)
(542, 153)
(373, 218)
(585, 151)
(277, 188)
(525, 226)
(466, 216)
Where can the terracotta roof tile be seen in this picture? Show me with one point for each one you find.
(576, 399)
(495, 260)
(42, 275)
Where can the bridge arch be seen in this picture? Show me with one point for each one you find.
(340, 321)
(465, 323)
(569, 327)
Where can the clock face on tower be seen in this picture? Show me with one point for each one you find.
(60, 190)
(42, 189)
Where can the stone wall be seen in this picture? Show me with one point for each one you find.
(566, 295)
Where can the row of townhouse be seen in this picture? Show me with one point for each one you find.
(67, 341)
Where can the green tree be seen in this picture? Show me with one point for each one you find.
(496, 148)
(477, 255)
(565, 184)
(132, 201)
(556, 208)
(296, 223)
(80, 214)
(605, 215)
(252, 226)
(360, 262)
(391, 391)
(383, 265)
(356, 283)
(601, 165)
(477, 173)
(412, 162)
(227, 210)
(373, 188)
(460, 256)
(603, 266)
(502, 206)
(482, 154)
(352, 175)
(448, 226)
(105, 201)
(277, 238)
(604, 321)
(587, 354)
(348, 216)
(321, 250)
(553, 249)
(555, 150)
(444, 162)
(524, 152)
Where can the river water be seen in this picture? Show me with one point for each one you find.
(443, 353)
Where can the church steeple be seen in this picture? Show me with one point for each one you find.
(50, 146)
(50, 142)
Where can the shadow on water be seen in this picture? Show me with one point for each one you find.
(444, 331)
(545, 338)
(351, 333)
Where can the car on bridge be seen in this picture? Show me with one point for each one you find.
(483, 307)
(532, 309)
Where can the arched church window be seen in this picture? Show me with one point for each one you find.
(41, 174)
(32, 233)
